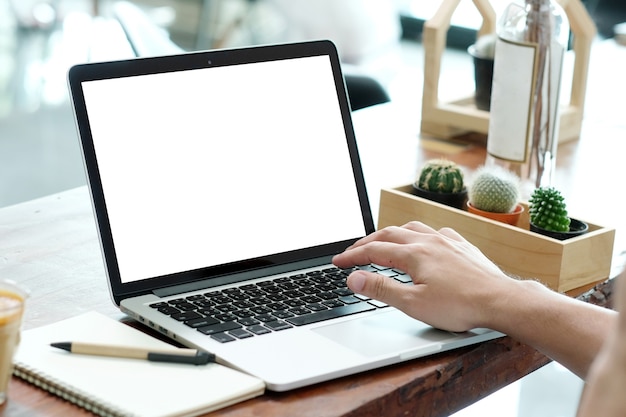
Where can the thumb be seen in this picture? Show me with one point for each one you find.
(375, 286)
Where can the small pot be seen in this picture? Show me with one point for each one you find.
(456, 200)
(483, 77)
(509, 218)
(576, 228)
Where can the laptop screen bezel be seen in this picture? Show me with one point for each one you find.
(198, 60)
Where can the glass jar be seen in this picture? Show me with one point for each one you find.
(524, 117)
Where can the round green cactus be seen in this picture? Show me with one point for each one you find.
(494, 189)
(548, 210)
(441, 176)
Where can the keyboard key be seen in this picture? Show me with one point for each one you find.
(204, 303)
(293, 294)
(298, 311)
(218, 328)
(201, 322)
(225, 317)
(222, 337)
(247, 287)
(404, 278)
(277, 306)
(296, 277)
(294, 303)
(272, 289)
(310, 290)
(240, 334)
(311, 299)
(343, 291)
(168, 310)
(325, 287)
(349, 299)
(322, 279)
(260, 310)
(210, 312)
(226, 308)
(278, 325)
(282, 314)
(186, 306)
(258, 329)
(186, 315)
(243, 313)
(243, 304)
(212, 294)
(195, 297)
(370, 268)
(388, 272)
(304, 283)
(238, 295)
(277, 297)
(221, 299)
(254, 293)
(327, 295)
(261, 301)
(332, 303)
(378, 304)
(288, 286)
(330, 314)
(248, 321)
(265, 317)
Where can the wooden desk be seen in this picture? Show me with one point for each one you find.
(50, 245)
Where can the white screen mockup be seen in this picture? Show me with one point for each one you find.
(210, 166)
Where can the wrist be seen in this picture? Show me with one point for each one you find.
(512, 301)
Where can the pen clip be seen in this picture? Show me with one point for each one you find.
(200, 358)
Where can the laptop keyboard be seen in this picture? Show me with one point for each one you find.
(274, 305)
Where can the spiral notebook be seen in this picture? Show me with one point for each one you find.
(125, 387)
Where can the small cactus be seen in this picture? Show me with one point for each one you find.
(485, 46)
(441, 176)
(548, 210)
(494, 189)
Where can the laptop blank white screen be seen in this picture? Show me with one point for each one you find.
(209, 166)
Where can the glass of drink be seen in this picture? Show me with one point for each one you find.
(12, 299)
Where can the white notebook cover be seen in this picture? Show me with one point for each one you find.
(125, 387)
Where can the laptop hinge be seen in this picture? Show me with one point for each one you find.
(242, 276)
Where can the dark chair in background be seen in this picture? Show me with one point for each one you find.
(147, 39)
(606, 14)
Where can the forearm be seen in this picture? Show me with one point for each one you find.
(567, 330)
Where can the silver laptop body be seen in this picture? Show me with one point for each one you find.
(217, 170)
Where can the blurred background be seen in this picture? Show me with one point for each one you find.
(40, 40)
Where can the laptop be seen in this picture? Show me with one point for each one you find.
(222, 183)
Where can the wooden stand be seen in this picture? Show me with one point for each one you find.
(446, 120)
(563, 265)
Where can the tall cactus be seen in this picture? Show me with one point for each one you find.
(548, 210)
(441, 176)
(494, 189)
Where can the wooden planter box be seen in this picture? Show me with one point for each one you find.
(562, 265)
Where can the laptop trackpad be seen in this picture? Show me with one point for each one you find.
(385, 333)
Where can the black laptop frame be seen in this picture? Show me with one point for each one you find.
(226, 273)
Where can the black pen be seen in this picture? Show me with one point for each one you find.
(177, 355)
